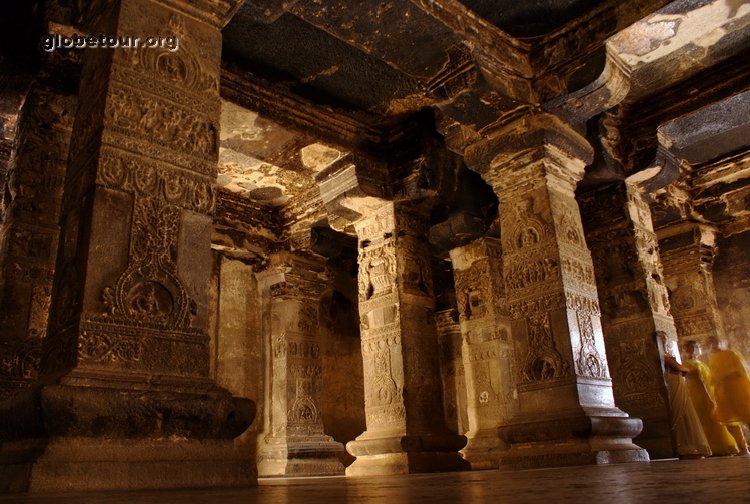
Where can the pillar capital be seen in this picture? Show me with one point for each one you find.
(539, 143)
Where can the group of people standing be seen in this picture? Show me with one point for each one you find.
(709, 399)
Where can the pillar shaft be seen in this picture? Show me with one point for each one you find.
(487, 348)
(688, 250)
(452, 371)
(634, 303)
(403, 404)
(30, 232)
(293, 442)
(126, 356)
(566, 411)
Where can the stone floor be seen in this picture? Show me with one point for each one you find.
(694, 481)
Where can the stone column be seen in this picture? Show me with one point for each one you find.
(487, 348)
(688, 250)
(567, 413)
(634, 304)
(293, 442)
(124, 398)
(30, 232)
(405, 432)
(452, 371)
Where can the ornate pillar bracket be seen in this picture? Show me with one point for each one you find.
(688, 250)
(634, 304)
(293, 442)
(125, 363)
(487, 349)
(564, 386)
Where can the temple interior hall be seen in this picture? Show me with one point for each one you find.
(346, 250)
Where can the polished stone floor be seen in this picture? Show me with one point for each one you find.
(724, 480)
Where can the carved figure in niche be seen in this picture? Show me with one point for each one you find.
(528, 237)
(589, 362)
(377, 272)
(150, 299)
(731, 387)
(484, 397)
(543, 361)
(687, 432)
(699, 383)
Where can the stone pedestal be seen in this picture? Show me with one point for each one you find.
(487, 348)
(293, 442)
(452, 371)
(30, 232)
(687, 251)
(566, 410)
(125, 363)
(405, 432)
(633, 299)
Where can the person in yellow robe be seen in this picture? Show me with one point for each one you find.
(687, 432)
(731, 387)
(698, 384)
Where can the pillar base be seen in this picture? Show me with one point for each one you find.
(483, 450)
(574, 440)
(88, 464)
(406, 454)
(312, 456)
(81, 438)
(656, 438)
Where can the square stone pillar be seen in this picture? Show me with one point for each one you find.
(30, 232)
(566, 410)
(487, 348)
(634, 303)
(688, 250)
(124, 398)
(293, 442)
(406, 431)
(452, 371)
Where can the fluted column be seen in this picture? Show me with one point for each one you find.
(487, 348)
(30, 232)
(567, 413)
(406, 431)
(688, 250)
(124, 398)
(293, 442)
(634, 303)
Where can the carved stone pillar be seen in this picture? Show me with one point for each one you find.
(30, 231)
(124, 398)
(452, 371)
(487, 348)
(293, 442)
(567, 413)
(634, 304)
(403, 405)
(687, 252)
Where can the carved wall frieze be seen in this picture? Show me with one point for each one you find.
(116, 342)
(144, 178)
(177, 128)
(148, 149)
